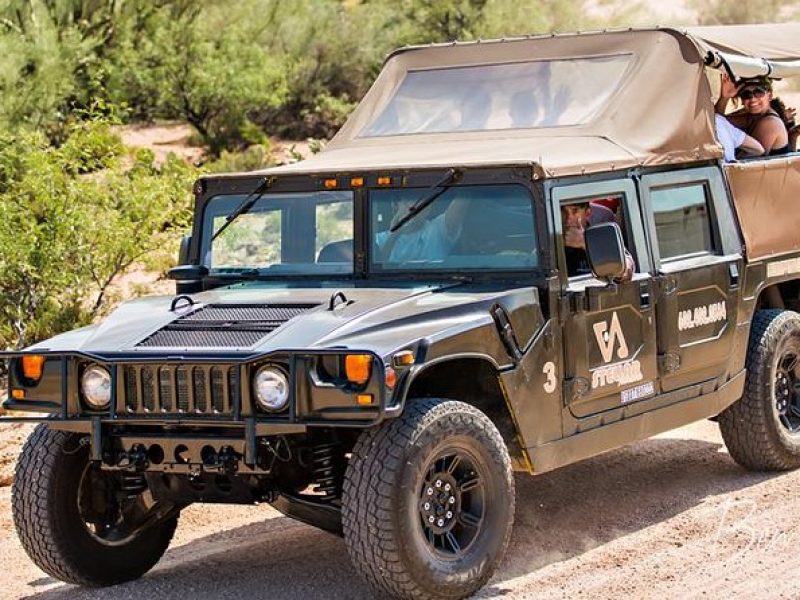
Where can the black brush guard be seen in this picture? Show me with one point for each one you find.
(312, 403)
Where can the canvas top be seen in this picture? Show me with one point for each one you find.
(563, 103)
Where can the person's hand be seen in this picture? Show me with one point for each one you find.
(573, 237)
(728, 89)
(790, 115)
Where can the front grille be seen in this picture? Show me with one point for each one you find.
(220, 326)
(185, 389)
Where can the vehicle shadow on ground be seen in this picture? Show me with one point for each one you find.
(560, 515)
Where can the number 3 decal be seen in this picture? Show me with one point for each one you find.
(549, 369)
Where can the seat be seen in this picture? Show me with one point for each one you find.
(336, 252)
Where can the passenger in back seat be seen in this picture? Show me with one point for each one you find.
(763, 115)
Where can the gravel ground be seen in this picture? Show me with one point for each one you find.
(672, 516)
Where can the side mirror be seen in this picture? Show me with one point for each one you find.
(183, 252)
(605, 251)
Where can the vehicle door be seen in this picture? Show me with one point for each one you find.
(608, 330)
(697, 258)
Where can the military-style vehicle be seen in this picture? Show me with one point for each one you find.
(374, 339)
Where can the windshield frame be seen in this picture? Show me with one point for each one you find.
(422, 179)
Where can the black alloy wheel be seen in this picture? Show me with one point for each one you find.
(452, 504)
(787, 391)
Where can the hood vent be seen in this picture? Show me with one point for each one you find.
(221, 326)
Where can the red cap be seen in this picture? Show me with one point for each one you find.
(611, 203)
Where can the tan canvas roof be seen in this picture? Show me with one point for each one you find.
(659, 112)
(752, 50)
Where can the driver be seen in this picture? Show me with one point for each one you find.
(575, 218)
(421, 238)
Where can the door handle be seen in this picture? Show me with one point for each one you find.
(644, 294)
(733, 275)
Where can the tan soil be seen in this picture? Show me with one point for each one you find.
(163, 139)
(670, 517)
(179, 138)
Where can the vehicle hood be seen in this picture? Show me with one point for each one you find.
(376, 319)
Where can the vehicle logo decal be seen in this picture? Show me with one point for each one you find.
(702, 315)
(637, 393)
(608, 336)
(783, 267)
(621, 373)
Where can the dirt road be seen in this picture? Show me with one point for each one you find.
(669, 517)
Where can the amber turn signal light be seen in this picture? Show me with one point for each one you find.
(364, 399)
(391, 378)
(18, 394)
(32, 366)
(358, 368)
(404, 358)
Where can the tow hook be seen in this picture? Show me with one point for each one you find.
(135, 459)
(226, 460)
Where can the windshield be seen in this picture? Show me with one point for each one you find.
(544, 93)
(467, 228)
(284, 234)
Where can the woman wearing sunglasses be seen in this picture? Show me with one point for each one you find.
(762, 115)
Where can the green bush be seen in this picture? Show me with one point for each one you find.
(252, 159)
(75, 218)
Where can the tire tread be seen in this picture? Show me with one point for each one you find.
(367, 516)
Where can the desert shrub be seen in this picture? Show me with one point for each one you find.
(75, 217)
(252, 159)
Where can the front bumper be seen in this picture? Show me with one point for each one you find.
(196, 392)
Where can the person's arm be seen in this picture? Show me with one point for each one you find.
(771, 133)
(454, 217)
(751, 146)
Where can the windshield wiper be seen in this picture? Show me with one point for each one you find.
(246, 273)
(245, 206)
(432, 194)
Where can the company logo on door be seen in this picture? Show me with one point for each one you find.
(611, 340)
(702, 315)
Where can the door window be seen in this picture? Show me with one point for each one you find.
(683, 221)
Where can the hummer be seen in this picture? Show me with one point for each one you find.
(374, 339)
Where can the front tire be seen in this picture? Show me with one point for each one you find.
(762, 429)
(72, 517)
(428, 501)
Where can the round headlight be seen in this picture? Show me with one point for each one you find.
(271, 388)
(96, 387)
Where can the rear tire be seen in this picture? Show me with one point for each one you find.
(762, 428)
(428, 501)
(50, 499)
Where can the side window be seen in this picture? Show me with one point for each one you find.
(683, 221)
(577, 214)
